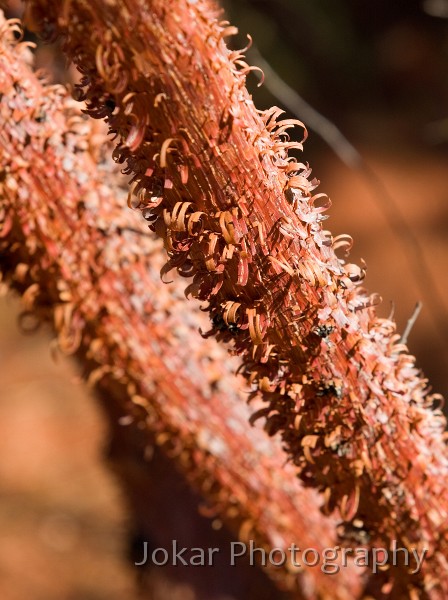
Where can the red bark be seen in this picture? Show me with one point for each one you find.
(85, 263)
(213, 177)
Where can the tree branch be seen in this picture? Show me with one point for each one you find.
(214, 179)
(80, 261)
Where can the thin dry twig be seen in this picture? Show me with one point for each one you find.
(298, 106)
(411, 322)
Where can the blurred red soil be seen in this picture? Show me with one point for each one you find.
(62, 518)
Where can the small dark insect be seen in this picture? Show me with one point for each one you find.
(221, 325)
(290, 195)
(110, 104)
(354, 531)
(40, 116)
(329, 390)
(342, 449)
(323, 331)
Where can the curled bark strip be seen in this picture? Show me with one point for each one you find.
(343, 241)
(325, 205)
(350, 505)
(177, 220)
(282, 265)
(230, 314)
(255, 330)
(164, 151)
(135, 136)
(226, 222)
(196, 223)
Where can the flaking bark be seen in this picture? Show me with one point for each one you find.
(82, 261)
(214, 178)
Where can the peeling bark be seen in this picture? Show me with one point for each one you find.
(214, 178)
(85, 263)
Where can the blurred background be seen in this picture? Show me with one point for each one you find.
(378, 71)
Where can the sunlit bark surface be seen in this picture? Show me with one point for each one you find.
(83, 261)
(214, 179)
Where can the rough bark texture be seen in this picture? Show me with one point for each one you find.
(214, 179)
(83, 261)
